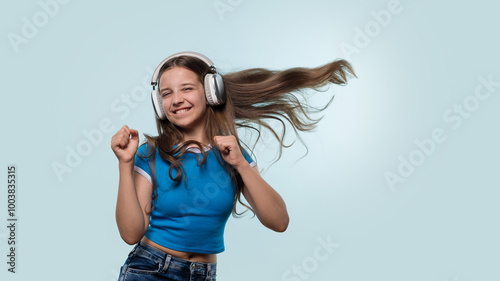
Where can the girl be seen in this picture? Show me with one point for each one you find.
(177, 190)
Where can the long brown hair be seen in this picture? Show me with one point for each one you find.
(254, 97)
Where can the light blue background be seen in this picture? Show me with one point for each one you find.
(441, 223)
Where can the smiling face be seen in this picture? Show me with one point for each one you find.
(184, 99)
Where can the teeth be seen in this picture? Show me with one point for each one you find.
(182, 110)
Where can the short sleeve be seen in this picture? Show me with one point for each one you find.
(141, 163)
(248, 158)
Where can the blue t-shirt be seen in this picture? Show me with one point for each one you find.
(190, 215)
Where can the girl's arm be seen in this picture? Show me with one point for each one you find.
(134, 191)
(265, 201)
(133, 204)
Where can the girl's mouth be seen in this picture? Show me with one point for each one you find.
(182, 110)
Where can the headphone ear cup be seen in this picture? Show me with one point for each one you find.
(158, 105)
(214, 89)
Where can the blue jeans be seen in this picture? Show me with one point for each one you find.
(149, 263)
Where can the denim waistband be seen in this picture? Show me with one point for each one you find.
(168, 261)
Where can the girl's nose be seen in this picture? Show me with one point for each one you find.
(177, 98)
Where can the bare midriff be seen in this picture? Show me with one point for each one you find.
(198, 257)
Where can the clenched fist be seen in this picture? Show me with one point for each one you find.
(124, 144)
(230, 151)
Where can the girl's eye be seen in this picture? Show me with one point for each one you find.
(188, 89)
(165, 94)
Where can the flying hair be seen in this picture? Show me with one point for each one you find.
(255, 97)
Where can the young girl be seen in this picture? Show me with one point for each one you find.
(177, 190)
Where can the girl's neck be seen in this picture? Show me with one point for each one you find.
(199, 136)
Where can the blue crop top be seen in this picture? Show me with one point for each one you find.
(190, 215)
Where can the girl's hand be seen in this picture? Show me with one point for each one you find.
(230, 151)
(124, 144)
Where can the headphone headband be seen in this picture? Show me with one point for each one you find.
(154, 79)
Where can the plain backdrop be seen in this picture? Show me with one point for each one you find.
(398, 182)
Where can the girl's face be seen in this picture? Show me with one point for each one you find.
(183, 98)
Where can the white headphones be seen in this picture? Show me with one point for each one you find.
(214, 86)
